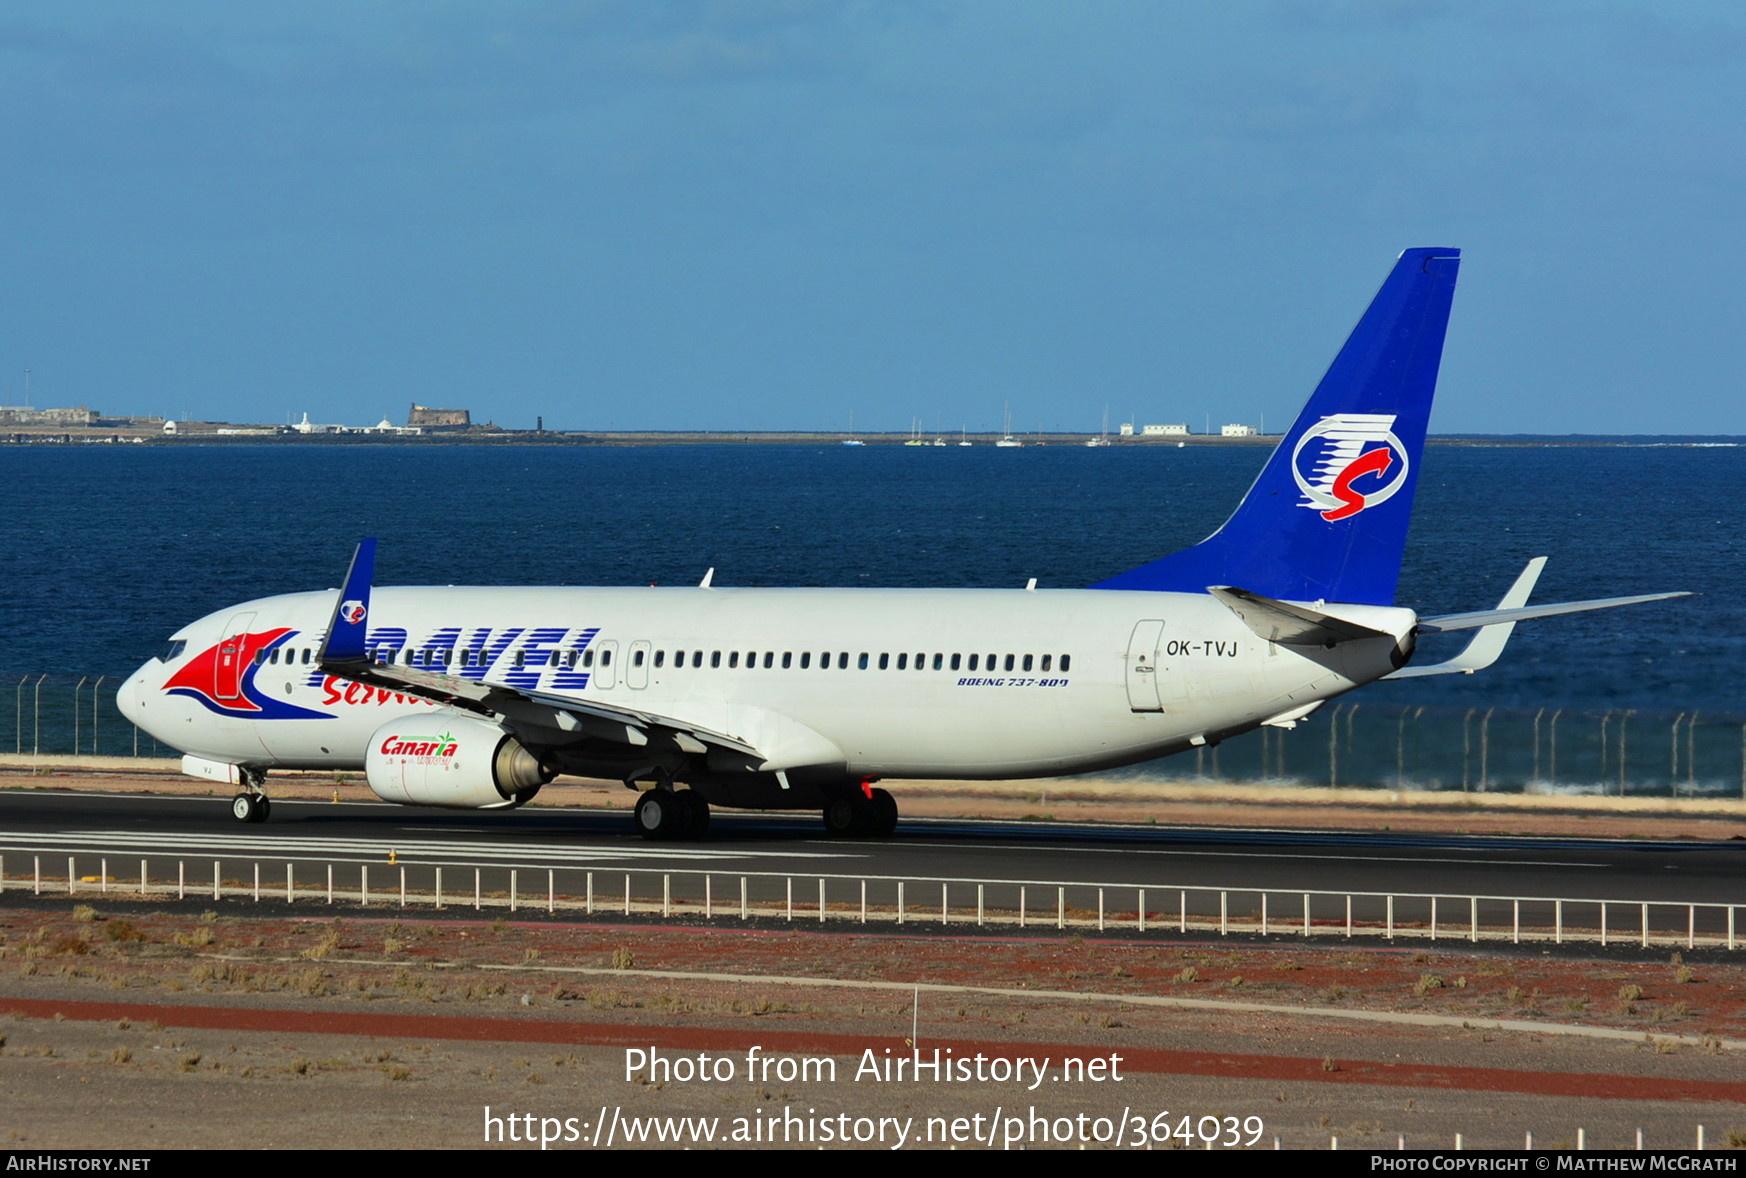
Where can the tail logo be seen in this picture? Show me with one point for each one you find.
(1342, 451)
(352, 612)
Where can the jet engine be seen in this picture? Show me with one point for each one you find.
(453, 760)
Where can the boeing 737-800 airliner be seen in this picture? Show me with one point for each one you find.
(804, 698)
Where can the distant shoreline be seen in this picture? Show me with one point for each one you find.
(89, 436)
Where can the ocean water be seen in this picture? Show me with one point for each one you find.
(107, 550)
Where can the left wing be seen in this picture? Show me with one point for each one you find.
(773, 742)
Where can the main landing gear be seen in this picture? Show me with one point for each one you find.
(866, 813)
(251, 805)
(664, 814)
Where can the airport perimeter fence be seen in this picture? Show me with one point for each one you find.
(1579, 751)
(1550, 749)
(58, 715)
(1159, 908)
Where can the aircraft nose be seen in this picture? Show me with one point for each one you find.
(130, 698)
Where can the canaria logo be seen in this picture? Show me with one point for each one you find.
(420, 746)
(1339, 451)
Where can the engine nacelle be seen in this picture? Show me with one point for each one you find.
(454, 760)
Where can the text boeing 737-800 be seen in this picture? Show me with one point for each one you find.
(803, 698)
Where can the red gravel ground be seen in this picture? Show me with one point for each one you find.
(129, 1027)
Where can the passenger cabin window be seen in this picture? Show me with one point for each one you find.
(660, 657)
(637, 657)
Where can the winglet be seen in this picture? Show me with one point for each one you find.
(346, 629)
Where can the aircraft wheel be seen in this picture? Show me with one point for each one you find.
(845, 817)
(653, 810)
(884, 814)
(698, 826)
(663, 814)
(248, 808)
(264, 809)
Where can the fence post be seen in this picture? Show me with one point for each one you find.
(96, 691)
(1485, 752)
(36, 718)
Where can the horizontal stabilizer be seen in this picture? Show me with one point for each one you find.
(1293, 625)
(1492, 617)
(1489, 643)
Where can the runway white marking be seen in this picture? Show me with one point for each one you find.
(412, 850)
(1263, 852)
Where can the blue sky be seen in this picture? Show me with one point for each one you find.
(771, 213)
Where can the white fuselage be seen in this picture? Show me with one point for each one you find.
(864, 683)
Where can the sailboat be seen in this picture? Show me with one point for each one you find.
(852, 440)
(1007, 441)
(1103, 438)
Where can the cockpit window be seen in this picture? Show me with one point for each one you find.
(173, 652)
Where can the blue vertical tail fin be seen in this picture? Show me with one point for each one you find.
(1327, 519)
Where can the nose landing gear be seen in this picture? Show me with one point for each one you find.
(251, 805)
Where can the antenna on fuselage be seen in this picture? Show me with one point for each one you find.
(707, 578)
